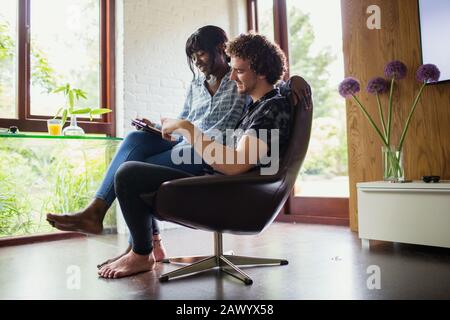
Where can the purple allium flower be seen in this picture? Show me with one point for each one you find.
(348, 87)
(395, 69)
(428, 73)
(377, 85)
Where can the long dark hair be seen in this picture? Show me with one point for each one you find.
(207, 39)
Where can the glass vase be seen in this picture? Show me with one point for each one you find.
(73, 129)
(393, 170)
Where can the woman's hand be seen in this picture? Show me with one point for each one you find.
(170, 126)
(151, 124)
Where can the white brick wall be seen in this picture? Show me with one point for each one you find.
(152, 74)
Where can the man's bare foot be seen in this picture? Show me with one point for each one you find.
(99, 266)
(90, 220)
(129, 264)
(159, 253)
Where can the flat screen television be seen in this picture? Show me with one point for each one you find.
(434, 18)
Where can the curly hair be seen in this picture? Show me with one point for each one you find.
(265, 57)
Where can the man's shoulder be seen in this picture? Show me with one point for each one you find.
(276, 107)
(279, 101)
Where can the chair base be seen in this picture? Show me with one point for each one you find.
(227, 263)
(186, 260)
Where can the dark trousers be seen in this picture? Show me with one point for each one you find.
(133, 179)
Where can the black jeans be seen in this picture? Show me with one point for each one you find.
(133, 179)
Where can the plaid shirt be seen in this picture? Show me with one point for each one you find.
(220, 112)
(272, 111)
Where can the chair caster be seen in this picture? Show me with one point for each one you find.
(248, 282)
(284, 262)
(163, 279)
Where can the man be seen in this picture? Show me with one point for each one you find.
(257, 65)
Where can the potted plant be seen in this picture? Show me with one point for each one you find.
(73, 95)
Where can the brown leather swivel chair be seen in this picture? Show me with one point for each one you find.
(243, 204)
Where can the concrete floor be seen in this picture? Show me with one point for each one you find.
(325, 262)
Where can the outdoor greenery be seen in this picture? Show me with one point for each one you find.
(41, 73)
(329, 132)
(41, 176)
(44, 76)
(51, 176)
(327, 154)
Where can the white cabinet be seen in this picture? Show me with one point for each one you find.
(415, 212)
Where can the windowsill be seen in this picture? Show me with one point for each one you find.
(28, 239)
(43, 135)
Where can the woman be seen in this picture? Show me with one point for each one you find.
(257, 65)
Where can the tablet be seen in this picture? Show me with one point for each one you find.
(144, 126)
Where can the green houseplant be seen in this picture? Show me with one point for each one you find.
(73, 95)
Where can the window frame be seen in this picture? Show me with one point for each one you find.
(279, 23)
(33, 123)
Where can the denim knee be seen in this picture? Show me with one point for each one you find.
(135, 137)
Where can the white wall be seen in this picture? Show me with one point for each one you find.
(152, 74)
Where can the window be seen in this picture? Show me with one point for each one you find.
(311, 39)
(8, 58)
(316, 54)
(265, 19)
(268, 17)
(41, 50)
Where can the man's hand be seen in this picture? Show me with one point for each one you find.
(170, 126)
(300, 91)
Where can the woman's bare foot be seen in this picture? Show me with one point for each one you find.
(159, 252)
(90, 220)
(129, 264)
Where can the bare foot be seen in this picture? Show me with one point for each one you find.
(129, 264)
(90, 220)
(158, 250)
(99, 266)
(159, 253)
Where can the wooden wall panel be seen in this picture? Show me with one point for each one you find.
(427, 145)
